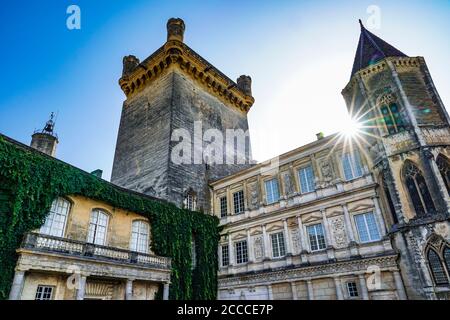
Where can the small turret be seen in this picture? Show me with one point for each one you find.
(244, 83)
(175, 29)
(129, 64)
(46, 140)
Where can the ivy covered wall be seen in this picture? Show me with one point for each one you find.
(30, 181)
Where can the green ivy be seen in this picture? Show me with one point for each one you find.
(30, 181)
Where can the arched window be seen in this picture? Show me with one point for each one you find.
(55, 223)
(140, 236)
(98, 226)
(444, 169)
(418, 190)
(389, 201)
(437, 268)
(392, 118)
(447, 258)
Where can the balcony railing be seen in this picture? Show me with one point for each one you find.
(41, 242)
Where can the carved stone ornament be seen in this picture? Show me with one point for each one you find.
(338, 229)
(288, 184)
(258, 247)
(326, 169)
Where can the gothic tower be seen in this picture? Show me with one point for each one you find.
(176, 98)
(407, 134)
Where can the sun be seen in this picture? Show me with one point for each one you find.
(351, 128)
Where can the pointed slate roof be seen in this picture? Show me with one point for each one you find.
(372, 49)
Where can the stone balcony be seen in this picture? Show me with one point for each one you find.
(51, 244)
(63, 257)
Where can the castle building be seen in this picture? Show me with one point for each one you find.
(365, 217)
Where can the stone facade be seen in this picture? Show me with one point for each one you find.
(302, 271)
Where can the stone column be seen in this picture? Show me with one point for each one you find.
(129, 289)
(294, 290)
(310, 289)
(363, 286)
(337, 284)
(81, 288)
(166, 291)
(348, 224)
(266, 243)
(302, 235)
(326, 227)
(287, 237)
(269, 292)
(250, 248)
(17, 285)
(379, 216)
(399, 286)
(230, 251)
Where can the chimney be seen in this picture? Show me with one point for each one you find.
(175, 29)
(320, 135)
(46, 139)
(244, 83)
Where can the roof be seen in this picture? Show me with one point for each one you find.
(372, 49)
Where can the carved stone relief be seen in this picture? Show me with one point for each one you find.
(258, 247)
(288, 183)
(338, 230)
(253, 190)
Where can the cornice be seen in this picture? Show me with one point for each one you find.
(175, 53)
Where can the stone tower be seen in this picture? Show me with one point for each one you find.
(176, 101)
(407, 129)
(46, 139)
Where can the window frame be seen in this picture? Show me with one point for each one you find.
(367, 228)
(52, 214)
(280, 244)
(352, 291)
(242, 202)
(319, 248)
(222, 260)
(42, 293)
(398, 126)
(351, 156)
(313, 182)
(223, 213)
(147, 244)
(108, 217)
(440, 255)
(243, 256)
(274, 198)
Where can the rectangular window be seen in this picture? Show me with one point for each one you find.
(278, 245)
(241, 252)
(44, 293)
(238, 202)
(351, 163)
(225, 256)
(367, 227)
(272, 191)
(306, 178)
(352, 289)
(316, 237)
(223, 207)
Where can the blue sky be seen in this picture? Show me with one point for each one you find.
(298, 53)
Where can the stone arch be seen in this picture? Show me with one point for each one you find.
(437, 255)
